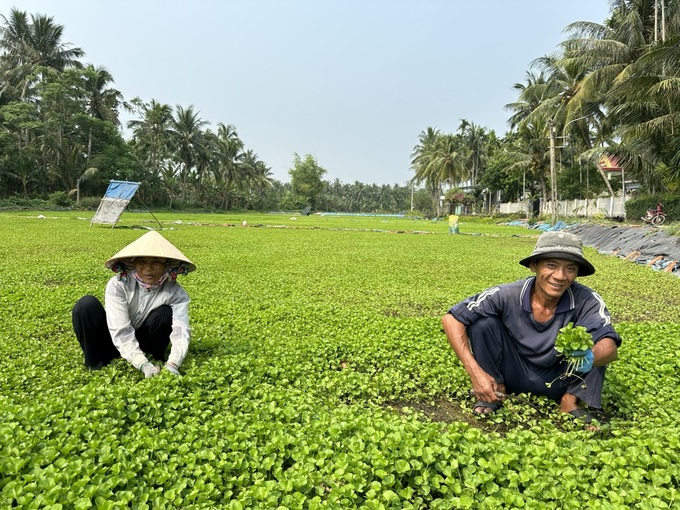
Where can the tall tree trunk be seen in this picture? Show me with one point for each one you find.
(606, 181)
(544, 190)
(89, 148)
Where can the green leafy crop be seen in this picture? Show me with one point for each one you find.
(316, 347)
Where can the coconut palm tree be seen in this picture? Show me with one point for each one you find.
(530, 94)
(605, 51)
(582, 128)
(25, 170)
(229, 155)
(262, 179)
(69, 166)
(474, 139)
(422, 162)
(531, 123)
(530, 153)
(188, 142)
(30, 46)
(648, 118)
(152, 134)
(542, 104)
(626, 77)
(102, 102)
(170, 180)
(254, 178)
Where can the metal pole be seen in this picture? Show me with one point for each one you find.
(525, 202)
(623, 191)
(553, 173)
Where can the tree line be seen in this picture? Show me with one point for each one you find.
(611, 88)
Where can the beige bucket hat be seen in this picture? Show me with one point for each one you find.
(151, 244)
(560, 245)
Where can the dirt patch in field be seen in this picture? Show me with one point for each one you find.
(517, 413)
(446, 411)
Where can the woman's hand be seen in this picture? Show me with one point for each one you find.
(172, 368)
(149, 369)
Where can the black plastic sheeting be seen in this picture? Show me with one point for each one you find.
(644, 245)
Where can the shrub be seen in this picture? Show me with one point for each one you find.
(637, 207)
(61, 199)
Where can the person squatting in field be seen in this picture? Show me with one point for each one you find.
(505, 335)
(145, 309)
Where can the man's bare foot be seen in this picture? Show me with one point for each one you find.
(486, 408)
(569, 404)
(489, 407)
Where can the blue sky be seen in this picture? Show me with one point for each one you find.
(351, 82)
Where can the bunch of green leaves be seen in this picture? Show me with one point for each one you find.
(570, 339)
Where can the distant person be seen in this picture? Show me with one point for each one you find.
(453, 224)
(145, 311)
(505, 336)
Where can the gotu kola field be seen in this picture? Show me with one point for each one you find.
(318, 375)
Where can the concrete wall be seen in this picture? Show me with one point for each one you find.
(607, 207)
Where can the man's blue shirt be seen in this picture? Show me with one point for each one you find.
(535, 340)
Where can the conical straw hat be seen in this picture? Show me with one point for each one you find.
(151, 244)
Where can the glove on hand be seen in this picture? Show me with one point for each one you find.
(172, 368)
(149, 369)
(585, 363)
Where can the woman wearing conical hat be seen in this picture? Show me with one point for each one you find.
(145, 310)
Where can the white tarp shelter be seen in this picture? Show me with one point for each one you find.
(114, 201)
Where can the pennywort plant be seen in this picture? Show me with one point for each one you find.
(570, 339)
(306, 332)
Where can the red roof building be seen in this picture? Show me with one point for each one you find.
(609, 163)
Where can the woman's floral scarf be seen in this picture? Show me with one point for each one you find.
(153, 286)
(170, 272)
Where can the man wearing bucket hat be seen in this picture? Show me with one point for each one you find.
(505, 336)
(145, 309)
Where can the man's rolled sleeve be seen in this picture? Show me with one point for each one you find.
(594, 316)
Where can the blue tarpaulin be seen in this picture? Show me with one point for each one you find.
(121, 189)
(114, 202)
